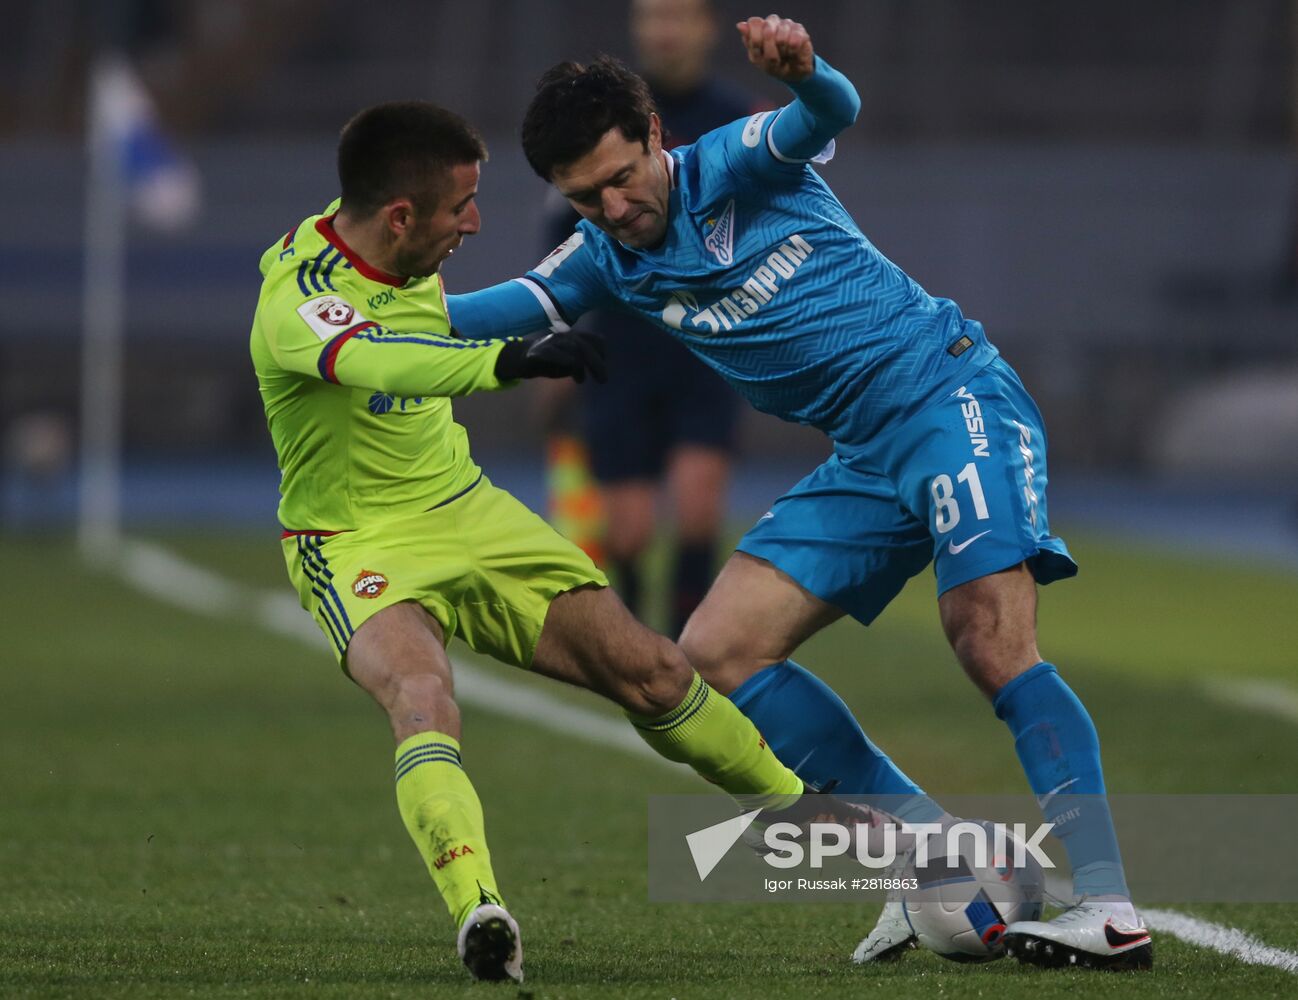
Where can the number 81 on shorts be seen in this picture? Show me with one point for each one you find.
(946, 506)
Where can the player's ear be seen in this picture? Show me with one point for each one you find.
(655, 134)
(399, 215)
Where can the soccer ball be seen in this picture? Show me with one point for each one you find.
(960, 909)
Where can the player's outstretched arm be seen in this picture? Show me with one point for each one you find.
(548, 349)
(370, 356)
(552, 295)
(504, 310)
(826, 101)
(347, 349)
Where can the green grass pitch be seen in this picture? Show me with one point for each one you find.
(193, 807)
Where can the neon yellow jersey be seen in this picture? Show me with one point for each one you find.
(356, 370)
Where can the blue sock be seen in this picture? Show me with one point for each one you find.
(810, 730)
(1060, 752)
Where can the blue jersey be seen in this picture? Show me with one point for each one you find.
(764, 275)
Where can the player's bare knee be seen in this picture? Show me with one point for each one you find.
(973, 649)
(422, 702)
(992, 651)
(703, 648)
(425, 693)
(724, 657)
(660, 683)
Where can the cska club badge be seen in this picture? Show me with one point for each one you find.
(369, 584)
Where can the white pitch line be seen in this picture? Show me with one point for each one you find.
(1267, 697)
(169, 578)
(1220, 938)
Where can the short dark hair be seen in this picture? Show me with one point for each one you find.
(402, 149)
(575, 105)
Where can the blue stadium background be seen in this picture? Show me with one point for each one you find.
(1110, 189)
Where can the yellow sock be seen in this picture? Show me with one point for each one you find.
(442, 812)
(710, 734)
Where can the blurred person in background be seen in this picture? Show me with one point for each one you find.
(668, 423)
(36, 457)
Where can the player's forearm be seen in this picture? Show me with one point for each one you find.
(826, 104)
(421, 367)
(509, 309)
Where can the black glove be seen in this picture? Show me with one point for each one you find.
(553, 355)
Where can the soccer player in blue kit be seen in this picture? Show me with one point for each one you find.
(736, 247)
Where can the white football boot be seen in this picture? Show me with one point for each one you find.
(1092, 935)
(892, 936)
(890, 939)
(490, 945)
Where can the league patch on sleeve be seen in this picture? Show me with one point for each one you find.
(753, 129)
(559, 254)
(329, 315)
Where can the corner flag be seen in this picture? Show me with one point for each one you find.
(130, 164)
(161, 185)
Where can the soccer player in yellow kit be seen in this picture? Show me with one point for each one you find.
(394, 538)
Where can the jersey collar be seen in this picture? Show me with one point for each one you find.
(325, 227)
(671, 169)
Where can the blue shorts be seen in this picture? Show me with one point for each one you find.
(962, 482)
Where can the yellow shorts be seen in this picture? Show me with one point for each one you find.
(483, 565)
